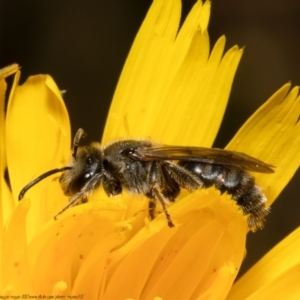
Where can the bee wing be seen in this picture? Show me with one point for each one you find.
(204, 155)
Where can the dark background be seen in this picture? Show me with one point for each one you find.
(83, 45)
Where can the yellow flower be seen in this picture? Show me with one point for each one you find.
(174, 91)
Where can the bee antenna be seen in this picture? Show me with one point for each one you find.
(38, 179)
(78, 136)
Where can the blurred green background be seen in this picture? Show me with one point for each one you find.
(83, 45)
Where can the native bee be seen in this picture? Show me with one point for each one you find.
(160, 172)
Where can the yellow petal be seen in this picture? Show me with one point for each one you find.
(202, 254)
(142, 72)
(9, 70)
(69, 243)
(285, 286)
(275, 276)
(38, 139)
(15, 267)
(272, 134)
(59, 288)
(170, 89)
(6, 201)
(7, 291)
(97, 260)
(4, 72)
(193, 108)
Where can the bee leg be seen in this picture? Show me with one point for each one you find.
(73, 201)
(158, 196)
(162, 189)
(90, 185)
(151, 208)
(84, 199)
(183, 177)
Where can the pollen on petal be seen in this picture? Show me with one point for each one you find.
(7, 291)
(59, 288)
(208, 230)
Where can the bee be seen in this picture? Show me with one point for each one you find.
(160, 172)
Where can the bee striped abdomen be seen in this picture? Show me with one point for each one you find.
(237, 183)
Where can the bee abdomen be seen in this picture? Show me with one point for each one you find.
(239, 184)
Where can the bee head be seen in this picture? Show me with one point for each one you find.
(83, 167)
